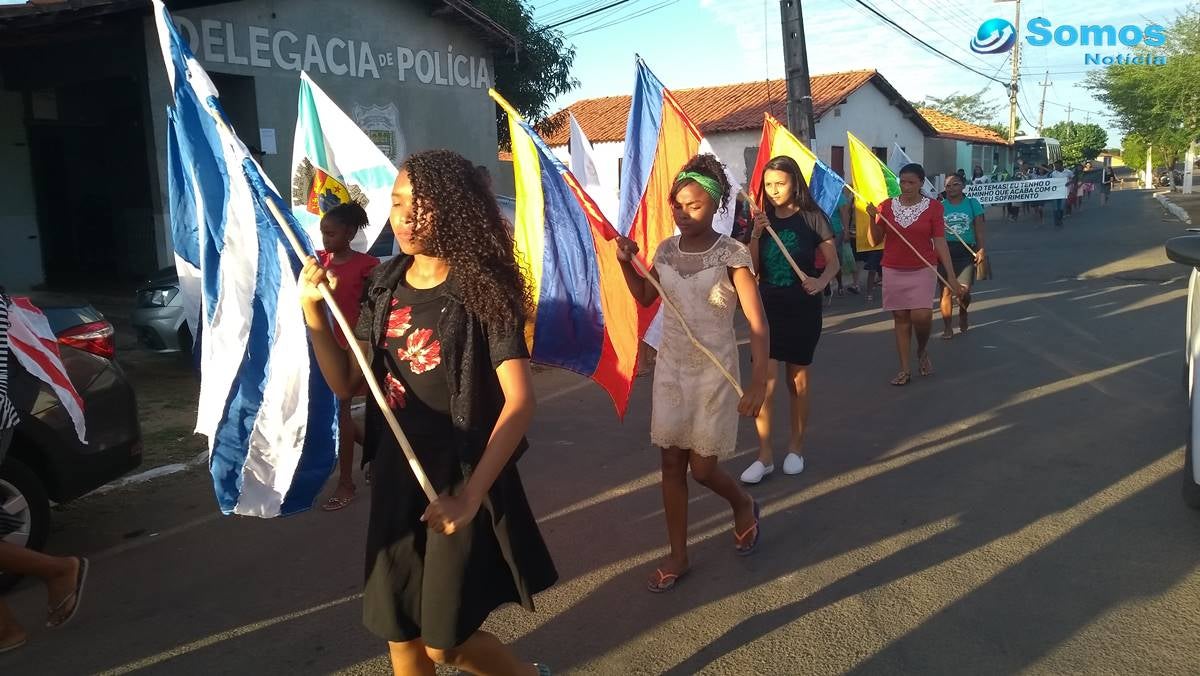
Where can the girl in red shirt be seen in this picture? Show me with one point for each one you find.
(908, 291)
(339, 225)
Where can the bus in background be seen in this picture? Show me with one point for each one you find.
(1037, 150)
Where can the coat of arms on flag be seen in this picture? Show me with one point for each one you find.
(319, 192)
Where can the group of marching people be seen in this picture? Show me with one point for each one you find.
(444, 325)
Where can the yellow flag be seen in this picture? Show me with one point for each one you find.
(873, 182)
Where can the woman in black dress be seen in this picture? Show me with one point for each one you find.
(793, 306)
(445, 324)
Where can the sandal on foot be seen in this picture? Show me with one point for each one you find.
(337, 502)
(67, 608)
(748, 549)
(19, 643)
(948, 335)
(926, 366)
(902, 379)
(664, 582)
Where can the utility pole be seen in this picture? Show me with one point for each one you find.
(795, 62)
(1042, 111)
(1016, 77)
(1068, 114)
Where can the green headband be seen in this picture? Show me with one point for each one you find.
(710, 185)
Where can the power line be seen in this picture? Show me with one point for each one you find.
(629, 17)
(939, 33)
(928, 46)
(585, 15)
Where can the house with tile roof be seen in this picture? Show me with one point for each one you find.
(731, 118)
(962, 145)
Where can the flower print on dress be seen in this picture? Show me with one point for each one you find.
(395, 392)
(423, 354)
(399, 321)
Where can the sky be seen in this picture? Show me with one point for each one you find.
(691, 43)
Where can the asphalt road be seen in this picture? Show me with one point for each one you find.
(1018, 512)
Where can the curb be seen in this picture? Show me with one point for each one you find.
(200, 460)
(1171, 207)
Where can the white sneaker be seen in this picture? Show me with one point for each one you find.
(756, 471)
(793, 464)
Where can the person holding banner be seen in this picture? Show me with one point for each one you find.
(912, 228)
(792, 304)
(444, 323)
(964, 238)
(704, 276)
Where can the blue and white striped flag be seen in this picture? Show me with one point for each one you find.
(270, 418)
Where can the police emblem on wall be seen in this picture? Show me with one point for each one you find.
(318, 192)
(382, 125)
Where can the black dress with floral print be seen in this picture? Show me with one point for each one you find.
(419, 583)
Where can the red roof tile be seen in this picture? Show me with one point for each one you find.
(723, 108)
(960, 130)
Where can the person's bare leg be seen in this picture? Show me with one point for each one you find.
(947, 314)
(922, 321)
(798, 395)
(763, 422)
(409, 658)
(483, 655)
(675, 509)
(11, 632)
(60, 573)
(708, 473)
(346, 434)
(903, 330)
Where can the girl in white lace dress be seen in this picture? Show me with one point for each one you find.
(705, 275)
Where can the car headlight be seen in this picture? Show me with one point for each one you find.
(157, 297)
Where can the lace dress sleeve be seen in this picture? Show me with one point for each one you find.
(737, 255)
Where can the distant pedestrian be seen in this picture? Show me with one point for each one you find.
(839, 222)
(964, 234)
(1106, 184)
(1060, 204)
(910, 276)
(694, 409)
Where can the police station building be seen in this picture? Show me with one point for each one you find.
(84, 93)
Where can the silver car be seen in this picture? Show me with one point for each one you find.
(157, 315)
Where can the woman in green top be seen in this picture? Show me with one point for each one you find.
(964, 235)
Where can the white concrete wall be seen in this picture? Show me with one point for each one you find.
(870, 116)
(731, 148)
(20, 254)
(608, 162)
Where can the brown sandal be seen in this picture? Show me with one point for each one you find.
(902, 379)
(926, 366)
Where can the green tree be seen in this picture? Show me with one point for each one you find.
(540, 70)
(973, 108)
(1079, 142)
(1158, 104)
(1133, 152)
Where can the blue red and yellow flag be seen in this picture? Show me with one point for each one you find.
(823, 182)
(585, 320)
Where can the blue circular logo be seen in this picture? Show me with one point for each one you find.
(995, 36)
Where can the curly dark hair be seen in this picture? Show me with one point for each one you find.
(710, 166)
(459, 220)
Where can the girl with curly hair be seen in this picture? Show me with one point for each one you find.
(693, 420)
(444, 323)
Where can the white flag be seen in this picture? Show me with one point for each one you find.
(898, 159)
(334, 162)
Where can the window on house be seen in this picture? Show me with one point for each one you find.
(881, 153)
(837, 160)
(620, 162)
(837, 111)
